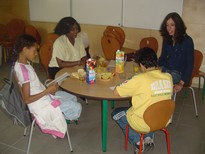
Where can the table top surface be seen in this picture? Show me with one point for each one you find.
(100, 89)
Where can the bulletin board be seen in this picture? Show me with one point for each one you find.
(97, 12)
(146, 14)
(48, 10)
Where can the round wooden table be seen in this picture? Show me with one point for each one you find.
(100, 90)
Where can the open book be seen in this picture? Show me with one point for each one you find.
(59, 79)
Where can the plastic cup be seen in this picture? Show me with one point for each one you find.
(135, 68)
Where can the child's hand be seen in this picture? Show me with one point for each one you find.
(52, 88)
(177, 87)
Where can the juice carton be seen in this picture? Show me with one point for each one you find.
(90, 71)
(119, 62)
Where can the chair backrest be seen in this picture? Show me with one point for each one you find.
(110, 46)
(116, 32)
(31, 30)
(15, 28)
(198, 58)
(149, 42)
(3, 33)
(46, 51)
(45, 56)
(50, 38)
(158, 114)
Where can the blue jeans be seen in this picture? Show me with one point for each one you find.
(119, 115)
(176, 76)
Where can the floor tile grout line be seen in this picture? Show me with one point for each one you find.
(10, 146)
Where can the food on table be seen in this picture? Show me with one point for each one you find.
(106, 76)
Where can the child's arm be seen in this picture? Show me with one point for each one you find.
(31, 98)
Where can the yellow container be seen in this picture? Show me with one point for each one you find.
(119, 62)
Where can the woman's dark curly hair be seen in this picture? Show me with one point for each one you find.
(180, 28)
(147, 57)
(65, 25)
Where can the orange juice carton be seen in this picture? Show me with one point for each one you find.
(119, 62)
(90, 71)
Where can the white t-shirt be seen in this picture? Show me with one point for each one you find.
(64, 50)
(25, 73)
(85, 39)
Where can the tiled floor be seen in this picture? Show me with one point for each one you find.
(187, 132)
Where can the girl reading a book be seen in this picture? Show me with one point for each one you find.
(48, 106)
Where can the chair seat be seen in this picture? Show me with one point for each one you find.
(156, 116)
(201, 73)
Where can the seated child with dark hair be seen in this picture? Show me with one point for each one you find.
(146, 88)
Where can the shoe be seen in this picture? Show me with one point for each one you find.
(137, 148)
(83, 98)
(149, 143)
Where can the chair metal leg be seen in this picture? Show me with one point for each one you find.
(194, 101)
(30, 136)
(4, 49)
(86, 101)
(69, 142)
(126, 137)
(199, 86)
(141, 143)
(174, 98)
(25, 131)
(168, 140)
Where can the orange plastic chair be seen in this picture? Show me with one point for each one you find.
(149, 42)
(4, 40)
(45, 56)
(119, 34)
(3, 33)
(200, 74)
(198, 57)
(109, 45)
(31, 30)
(50, 38)
(14, 29)
(116, 32)
(157, 117)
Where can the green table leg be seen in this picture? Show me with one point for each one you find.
(203, 92)
(104, 124)
(112, 104)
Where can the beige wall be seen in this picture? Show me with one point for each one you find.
(193, 15)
